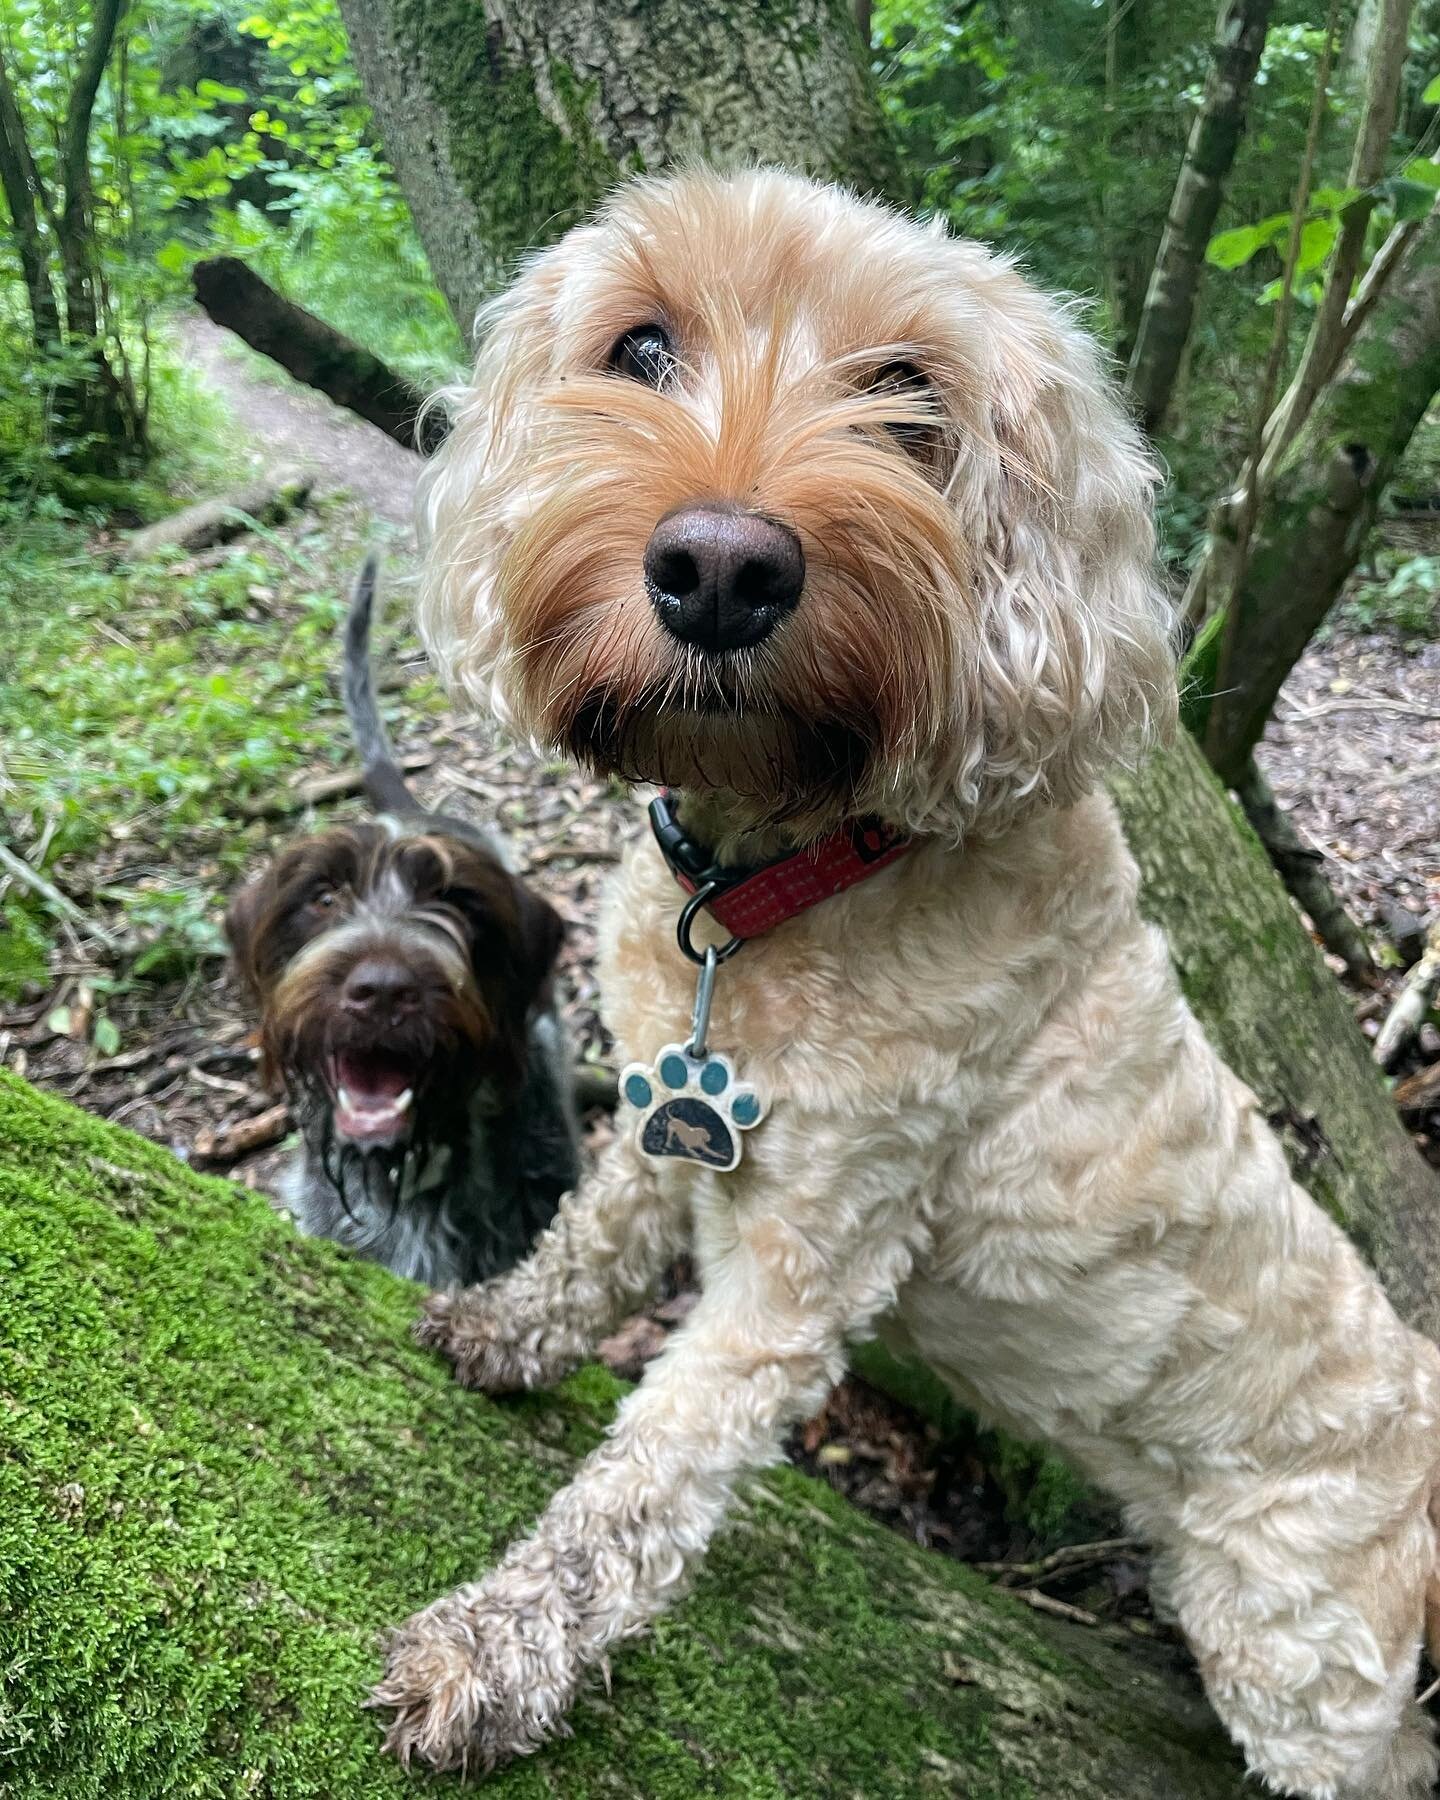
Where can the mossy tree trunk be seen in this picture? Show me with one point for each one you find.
(506, 122)
(1316, 516)
(225, 1468)
(1277, 1015)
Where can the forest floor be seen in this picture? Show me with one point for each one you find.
(195, 698)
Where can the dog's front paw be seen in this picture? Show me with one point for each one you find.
(466, 1690)
(467, 1327)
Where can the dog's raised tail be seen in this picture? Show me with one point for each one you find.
(384, 782)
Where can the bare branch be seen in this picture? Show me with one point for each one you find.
(1323, 348)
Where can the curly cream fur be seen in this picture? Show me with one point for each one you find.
(996, 1133)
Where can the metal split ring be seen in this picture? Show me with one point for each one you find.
(686, 924)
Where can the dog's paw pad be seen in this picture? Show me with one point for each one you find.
(691, 1107)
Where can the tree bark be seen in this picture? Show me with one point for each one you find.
(1325, 343)
(1315, 516)
(25, 201)
(313, 352)
(506, 124)
(1214, 139)
(1276, 1014)
(225, 1468)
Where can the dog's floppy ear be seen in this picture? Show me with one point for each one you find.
(542, 931)
(1076, 664)
(464, 488)
(242, 924)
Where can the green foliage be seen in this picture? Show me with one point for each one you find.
(1400, 595)
(217, 130)
(145, 712)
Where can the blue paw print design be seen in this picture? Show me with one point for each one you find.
(691, 1107)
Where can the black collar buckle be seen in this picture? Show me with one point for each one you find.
(687, 859)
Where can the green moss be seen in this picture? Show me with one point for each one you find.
(516, 165)
(1044, 1496)
(1269, 1004)
(224, 1467)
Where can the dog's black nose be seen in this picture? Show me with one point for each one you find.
(721, 578)
(379, 990)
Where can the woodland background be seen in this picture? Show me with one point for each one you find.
(1248, 208)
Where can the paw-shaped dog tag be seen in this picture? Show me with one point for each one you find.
(691, 1107)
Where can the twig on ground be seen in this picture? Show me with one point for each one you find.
(319, 790)
(1358, 703)
(218, 1084)
(1420, 1091)
(1060, 1609)
(563, 852)
(1416, 772)
(20, 870)
(1068, 1556)
(230, 1143)
(269, 498)
(1298, 865)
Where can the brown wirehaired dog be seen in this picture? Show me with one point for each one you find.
(403, 977)
(816, 516)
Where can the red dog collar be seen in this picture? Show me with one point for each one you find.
(749, 902)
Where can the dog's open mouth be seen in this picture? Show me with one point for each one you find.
(374, 1095)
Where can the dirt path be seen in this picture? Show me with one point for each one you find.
(290, 423)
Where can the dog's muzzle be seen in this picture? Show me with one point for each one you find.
(721, 578)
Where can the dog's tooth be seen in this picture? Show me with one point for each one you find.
(402, 1101)
(343, 1096)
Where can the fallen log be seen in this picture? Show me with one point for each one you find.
(313, 352)
(270, 499)
(225, 1467)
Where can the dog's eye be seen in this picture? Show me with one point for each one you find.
(643, 354)
(903, 380)
(323, 899)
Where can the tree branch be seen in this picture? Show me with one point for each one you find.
(313, 352)
(81, 317)
(25, 198)
(1325, 345)
(1199, 188)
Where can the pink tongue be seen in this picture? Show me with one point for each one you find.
(369, 1089)
(371, 1080)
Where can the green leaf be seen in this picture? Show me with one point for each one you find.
(58, 1021)
(1431, 96)
(106, 1035)
(1231, 249)
(173, 257)
(218, 93)
(1315, 241)
(1423, 172)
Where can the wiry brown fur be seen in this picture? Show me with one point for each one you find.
(995, 1131)
(469, 1168)
(478, 945)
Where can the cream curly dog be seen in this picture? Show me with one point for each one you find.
(767, 494)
